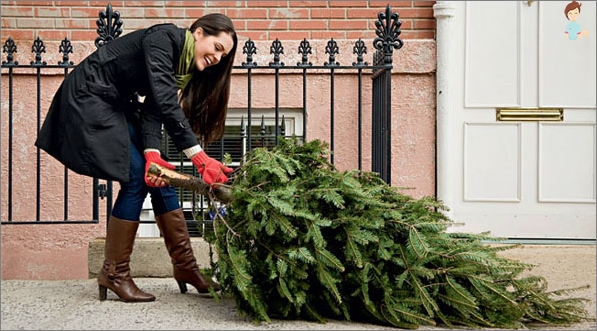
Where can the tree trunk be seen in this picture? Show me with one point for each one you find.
(189, 182)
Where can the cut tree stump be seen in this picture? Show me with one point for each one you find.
(189, 182)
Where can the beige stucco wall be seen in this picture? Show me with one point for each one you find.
(60, 251)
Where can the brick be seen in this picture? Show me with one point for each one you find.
(140, 24)
(240, 25)
(182, 22)
(247, 13)
(185, 4)
(165, 13)
(406, 24)
(253, 35)
(115, 4)
(420, 24)
(8, 22)
(416, 13)
(288, 13)
(423, 3)
(362, 13)
(417, 35)
(33, 3)
(355, 35)
(221, 4)
(59, 12)
(70, 3)
(345, 4)
(308, 25)
(393, 4)
(85, 12)
(128, 13)
(267, 25)
(328, 35)
(289, 35)
(424, 34)
(17, 35)
(49, 35)
(309, 4)
(195, 13)
(84, 35)
(328, 13)
(28, 23)
(17, 12)
(73, 24)
(144, 3)
(348, 24)
(255, 3)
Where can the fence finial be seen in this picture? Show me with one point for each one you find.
(387, 33)
(250, 50)
(304, 49)
(359, 49)
(276, 49)
(65, 48)
(38, 47)
(10, 48)
(109, 26)
(332, 49)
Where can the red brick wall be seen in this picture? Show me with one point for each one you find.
(258, 20)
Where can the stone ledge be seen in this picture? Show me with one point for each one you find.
(149, 258)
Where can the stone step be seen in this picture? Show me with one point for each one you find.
(149, 258)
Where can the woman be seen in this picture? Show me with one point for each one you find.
(95, 128)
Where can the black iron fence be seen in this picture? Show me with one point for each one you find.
(252, 128)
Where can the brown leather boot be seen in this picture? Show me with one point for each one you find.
(176, 236)
(115, 274)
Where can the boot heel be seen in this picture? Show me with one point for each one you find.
(183, 287)
(102, 292)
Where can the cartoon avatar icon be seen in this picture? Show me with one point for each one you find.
(573, 30)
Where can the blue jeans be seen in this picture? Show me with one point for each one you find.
(131, 196)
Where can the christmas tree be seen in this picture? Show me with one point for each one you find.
(302, 240)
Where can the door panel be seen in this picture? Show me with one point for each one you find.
(566, 162)
(566, 67)
(528, 178)
(499, 169)
(489, 82)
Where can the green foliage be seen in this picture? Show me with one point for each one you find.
(302, 240)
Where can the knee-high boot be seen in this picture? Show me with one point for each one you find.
(176, 236)
(115, 273)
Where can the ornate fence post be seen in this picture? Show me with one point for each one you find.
(109, 27)
(387, 31)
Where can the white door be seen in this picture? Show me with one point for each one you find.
(531, 173)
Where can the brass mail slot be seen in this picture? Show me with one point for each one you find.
(529, 114)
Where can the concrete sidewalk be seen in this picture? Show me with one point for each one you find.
(74, 304)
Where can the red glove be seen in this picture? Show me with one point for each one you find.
(155, 157)
(212, 170)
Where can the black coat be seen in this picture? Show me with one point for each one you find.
(86, 126)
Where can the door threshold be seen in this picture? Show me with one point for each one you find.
(542, 241)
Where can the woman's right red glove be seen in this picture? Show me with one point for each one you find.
(155, 157)
(212, 170)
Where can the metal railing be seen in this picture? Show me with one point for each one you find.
(109, 28)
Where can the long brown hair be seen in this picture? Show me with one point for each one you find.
(205, 98)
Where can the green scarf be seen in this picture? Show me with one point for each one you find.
(186, 64)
